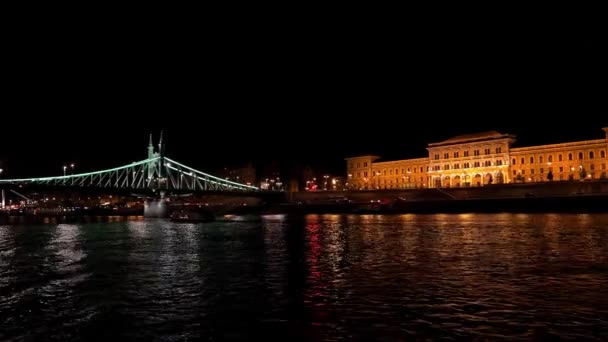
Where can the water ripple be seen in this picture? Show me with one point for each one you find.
(318, 277)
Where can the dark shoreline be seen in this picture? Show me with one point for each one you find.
(557, 204)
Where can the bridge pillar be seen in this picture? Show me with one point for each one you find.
(155, 208)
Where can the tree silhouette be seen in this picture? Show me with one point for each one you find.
(550, 176)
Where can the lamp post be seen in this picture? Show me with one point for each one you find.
(3, 198)
(64, 169)
(72, 167)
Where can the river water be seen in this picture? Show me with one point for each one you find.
(308, 278)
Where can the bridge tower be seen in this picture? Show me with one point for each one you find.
(161, 161)
(156, 175)
(151, 148)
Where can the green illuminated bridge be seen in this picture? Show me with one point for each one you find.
(155, 172)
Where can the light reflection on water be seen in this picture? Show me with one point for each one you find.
(316, 277)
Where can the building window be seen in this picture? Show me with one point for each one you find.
(591, 155)
(365, 174)
(436, 156)
(540, 159)
(513, 161)
(456, 166)
(603, 154)
(531, 160)
(422, 169)
(514, 172)
(446, 167)
(522, 161)
(358, 174)
(499, 150)
(486, 151)
(550, 158)
(542, 170)
(365, 164)
(561, 169)
(476, 152)
(488, 163)
(467, 165)
(391, 172)
(592, 167)
(476, 164)
(531, 171)
(446, 155)
(499, 162)
(580, 155)
(455, 154)
(384, 172)
(569, 156)
(466, 153)
(559, 158)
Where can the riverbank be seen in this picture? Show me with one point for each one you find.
(549, 204)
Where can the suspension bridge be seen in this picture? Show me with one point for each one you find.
(156, 172)
(155, 178)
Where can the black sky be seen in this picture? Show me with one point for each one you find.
(315, 93)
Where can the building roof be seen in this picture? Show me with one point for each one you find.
(472, 137)
(372, 156)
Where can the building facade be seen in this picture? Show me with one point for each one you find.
(482, 159)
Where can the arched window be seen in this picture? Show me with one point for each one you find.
(591, 155)
(569, 156)
(603, 154)
(580, 155)
(559, 158)
(550, 158)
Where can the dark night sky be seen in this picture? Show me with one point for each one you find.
(334, 91)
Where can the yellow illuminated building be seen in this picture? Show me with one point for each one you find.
(482, 159)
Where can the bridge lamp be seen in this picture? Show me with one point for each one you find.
(64, 169)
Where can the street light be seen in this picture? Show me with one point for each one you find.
(64, 169)
(72, 167)
(3, 199)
